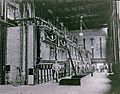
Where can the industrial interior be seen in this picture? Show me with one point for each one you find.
(80, 36)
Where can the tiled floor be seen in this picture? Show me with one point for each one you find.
(98, 84)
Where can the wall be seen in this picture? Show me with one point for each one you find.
(13, 51)
(96, 35)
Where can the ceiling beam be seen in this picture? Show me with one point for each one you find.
(85, 17)
(90, 25)
(100, 10)
(74, 4)
(78, 14)
(93, 23)
(77, 20)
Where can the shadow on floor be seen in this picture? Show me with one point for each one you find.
(115, 83)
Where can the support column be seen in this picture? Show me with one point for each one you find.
(2, 53)
(3, 42)
(38, 52)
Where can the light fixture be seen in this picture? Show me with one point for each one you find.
(104, 29)
(92, 47)
(81, 33)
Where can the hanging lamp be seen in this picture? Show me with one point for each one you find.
(81, 33)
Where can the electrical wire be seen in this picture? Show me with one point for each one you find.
(86, 27)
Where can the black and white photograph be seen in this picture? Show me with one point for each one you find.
(59, 47)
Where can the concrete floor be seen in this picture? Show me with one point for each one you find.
(98, 84)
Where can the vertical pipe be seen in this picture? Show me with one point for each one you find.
(21, 52)
(26, 57)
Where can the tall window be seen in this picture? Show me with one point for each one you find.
(52, 52)
(62, 54)
(92, 46)
(100, 47)
(84, 43)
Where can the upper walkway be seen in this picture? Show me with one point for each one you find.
(96, 84)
